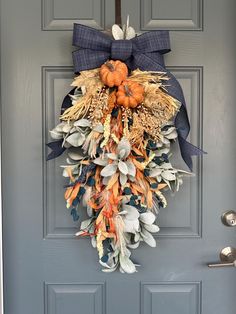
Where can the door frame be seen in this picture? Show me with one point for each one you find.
(1, 251)
(1, 224)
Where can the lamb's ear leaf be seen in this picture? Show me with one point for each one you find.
(127, 265)
(76, 139)
(131, 168)
(85, 224)
(155, 172)
(152, 228)
(130, 33)
(124, 144)
(128, 30)
(167, 175)
(82, 123)
(109, 170)
(100, 161)
(147, 218)
(75, 153)
(123, 167)
(117, 32)
(148, 238)
(99, 128)
(131, 226)
(123, 179)
(132, 212)
(55, 134)
(112, 156)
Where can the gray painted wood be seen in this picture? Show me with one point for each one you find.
(45, 269)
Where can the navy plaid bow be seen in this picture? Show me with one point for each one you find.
(97, 47)
(144, 52)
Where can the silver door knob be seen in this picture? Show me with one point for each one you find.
(229, 218)
(227, 258)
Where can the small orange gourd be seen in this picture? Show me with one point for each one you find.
(130, 94)
(113, 73)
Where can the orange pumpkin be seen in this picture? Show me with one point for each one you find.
(113, 73)
(130, 94)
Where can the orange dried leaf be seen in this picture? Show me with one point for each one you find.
(94, 205)
(149, 199)
(68, 192)
(75, 191)
(98, 179)
(137, 188)
(85, 162)
(161, 186)
(138, 164)
(137, 151)
(112, 181)
(100, 218)
(134, 191)
(139, 174)
(116, 189)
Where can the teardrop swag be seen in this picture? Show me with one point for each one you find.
(117, 127)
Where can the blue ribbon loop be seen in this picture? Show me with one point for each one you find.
(144, 52)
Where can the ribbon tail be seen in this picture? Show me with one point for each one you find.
(188, 150)
(67, 103)
(57, 149)
(182, 125)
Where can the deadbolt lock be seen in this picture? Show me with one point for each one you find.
(229, 218)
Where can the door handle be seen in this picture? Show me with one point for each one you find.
(227, 258)
(222, 264)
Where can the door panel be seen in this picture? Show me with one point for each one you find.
(47, 270)
(186, 204)
(58, 16)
